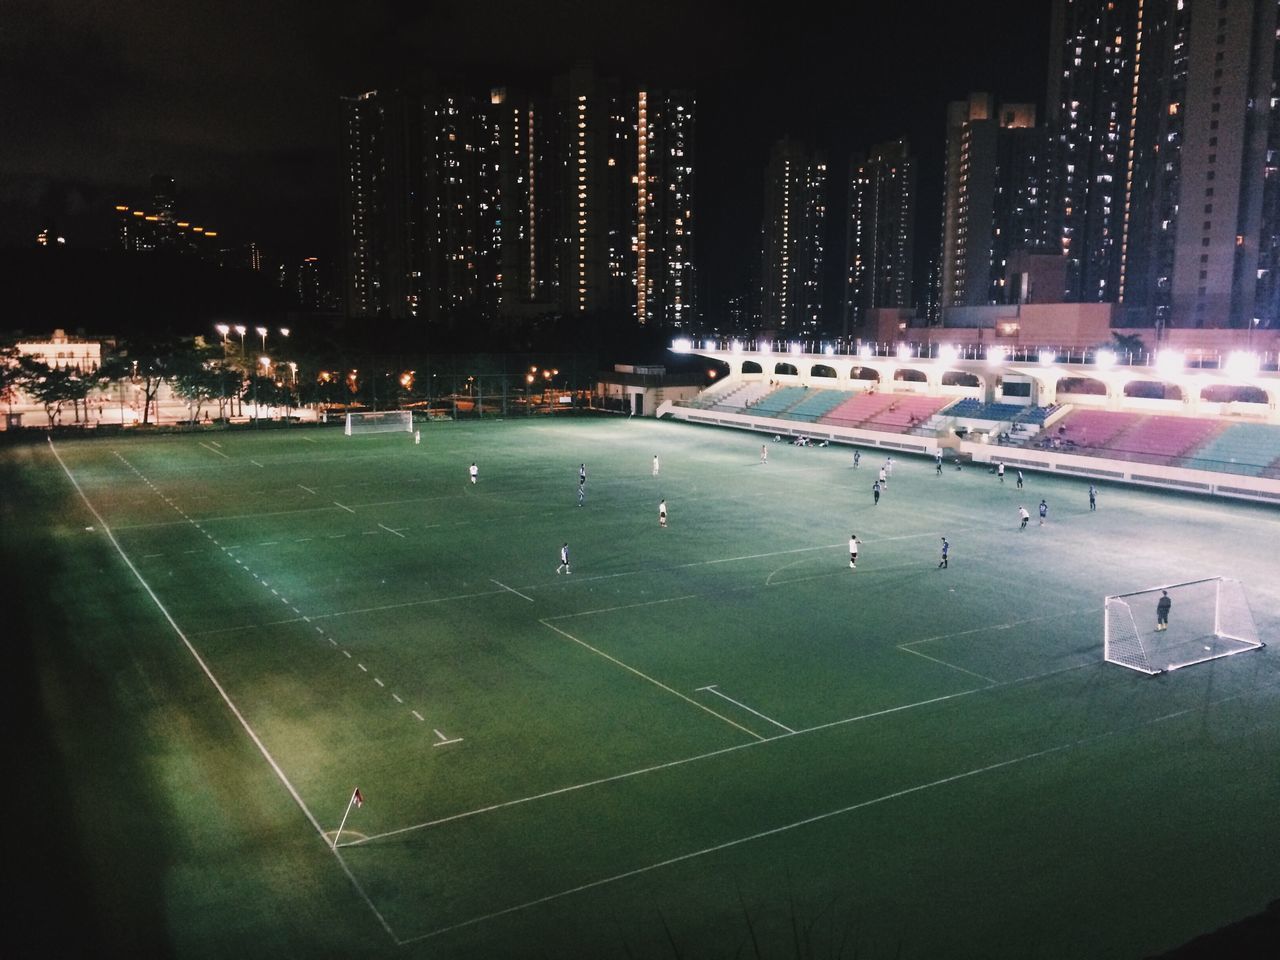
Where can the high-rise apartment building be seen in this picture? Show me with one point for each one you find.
(527, 225)
(793, 247)
(157, 226)
(664, 177)
(994, 197)
(1163, 119)
(510, 205)
(460, 241)
(879, 232)
(382, 214)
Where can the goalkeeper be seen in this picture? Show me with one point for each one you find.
(1162, 610)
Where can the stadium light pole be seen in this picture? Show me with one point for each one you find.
(223, 329)
(241, 329)
(262, 332)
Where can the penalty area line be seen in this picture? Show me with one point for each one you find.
(226, 698)
(739, 841)
(906, 649)
(817, 818)
(510, 589)
(645, 676)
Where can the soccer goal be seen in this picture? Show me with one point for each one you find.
(384, 421)
(1203, 620)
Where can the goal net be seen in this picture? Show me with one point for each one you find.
(1203, 620)
(384, 421)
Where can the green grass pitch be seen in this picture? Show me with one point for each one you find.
(709, 740)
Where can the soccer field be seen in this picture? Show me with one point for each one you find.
(713, 739)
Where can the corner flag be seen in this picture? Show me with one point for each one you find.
(357, 800)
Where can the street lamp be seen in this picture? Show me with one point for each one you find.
(262, 332)
(223, 329)
(240, 329)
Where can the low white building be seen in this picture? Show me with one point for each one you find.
(61, 351)
(640, 390)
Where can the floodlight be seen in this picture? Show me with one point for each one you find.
(1105, 359)
(1169, 361)
(996, 354)
(682, 345)
(1047, 358)
(947, 353)
(829, 350)
(795, 348)
(866, 350)
(904, 351)
(736, 346)
(1241, 363)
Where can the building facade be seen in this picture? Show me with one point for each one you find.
(1163, 118)
(994, 202)
(793, 245)
(459, 208)
(879, 232)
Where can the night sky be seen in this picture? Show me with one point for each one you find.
(239, 101)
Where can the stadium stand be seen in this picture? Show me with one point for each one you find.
(776, 402)
(1164, 437)
(1089, 428)
(743, 397)
(858, 409)
(1252, 449)
(816, 404)
(908, 411)
(972, 409)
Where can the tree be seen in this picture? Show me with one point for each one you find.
(149, 362)
(199, 375)
(1127, 343)
(10, 375)
(52, 386)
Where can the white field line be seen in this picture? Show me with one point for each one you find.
(645, 676)
(237, 516)
(627, 775)
(808, 821)
(389, 530)
(309, 490)
(348, 509)
(407, 603)
(906, 648)
(226, 698)
(510, 589)
(1001, 626)
(625, 606)
(255, 463)
(214, 450)
(712, 689)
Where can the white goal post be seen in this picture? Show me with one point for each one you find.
(384, 421)
(1201, 620)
